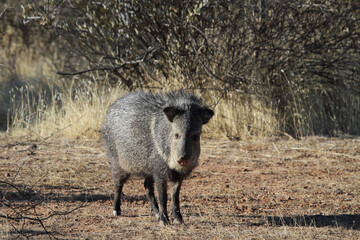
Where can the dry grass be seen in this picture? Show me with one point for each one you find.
(63, 109)
(316, 110)
(73, 111)
(76, 109)
(240, 117)
(255, 189)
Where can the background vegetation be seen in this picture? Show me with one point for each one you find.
(267, 67)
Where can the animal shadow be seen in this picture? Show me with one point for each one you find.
(349, 221)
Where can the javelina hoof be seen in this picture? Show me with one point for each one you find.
(178, 221)
(177, 217)
(163, 223)
(164, 220)
(116, 213)
(155, 212)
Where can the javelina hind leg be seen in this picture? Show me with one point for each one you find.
(175, 203)
(149, 190)
(119, 180)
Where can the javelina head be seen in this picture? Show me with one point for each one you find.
(185, 135)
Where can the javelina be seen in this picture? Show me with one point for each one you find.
(156, 137)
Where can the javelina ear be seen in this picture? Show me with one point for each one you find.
(206, 114)
(171, 113)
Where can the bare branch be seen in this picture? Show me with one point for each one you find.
(3, 11)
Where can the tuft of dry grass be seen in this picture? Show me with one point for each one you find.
(239, 117)
(319, 111)
(71, 110)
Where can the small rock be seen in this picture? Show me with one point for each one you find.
(339, 191)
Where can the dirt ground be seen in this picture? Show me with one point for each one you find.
(274, 188)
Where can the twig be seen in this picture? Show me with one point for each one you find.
(21, 215)
(43, 226)
(12, 185)
(3, 65)
(3, 11)
(148, 53)
(84, 71)
(276, 148)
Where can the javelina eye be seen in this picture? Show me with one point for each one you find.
(176, 136)
(195, 138)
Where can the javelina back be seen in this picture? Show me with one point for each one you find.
(156, 137)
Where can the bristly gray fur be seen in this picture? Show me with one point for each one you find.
(155, 136)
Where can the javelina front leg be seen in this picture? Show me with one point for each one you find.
(175, 202)
(149, 190)
(161, 189)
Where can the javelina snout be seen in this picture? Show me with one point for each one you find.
(157, 137)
